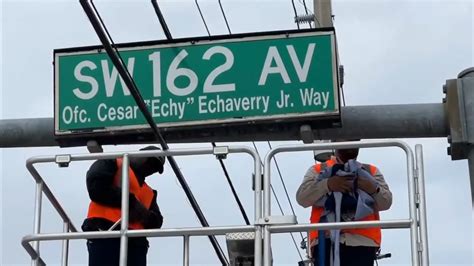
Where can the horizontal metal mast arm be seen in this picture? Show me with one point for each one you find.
(368, 122)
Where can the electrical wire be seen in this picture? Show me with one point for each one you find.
(284, 186)
(273, 190)
(162, 20)
(226, 173)
(296, 13)
(222, 164)
(105, 28)
(305, 10)
(110, 38)
(234, 192)
(217, 247)
(303, 3)
(278, 203)
(202, 17)
(109, 45)
(225, 18)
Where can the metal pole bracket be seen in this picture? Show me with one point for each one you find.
(278, 220)
(221, 152)
(63, 160)
(459, 109)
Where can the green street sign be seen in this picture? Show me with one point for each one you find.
(272, 77)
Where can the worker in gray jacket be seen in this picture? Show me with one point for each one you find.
(357, 247)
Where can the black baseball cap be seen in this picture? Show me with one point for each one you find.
(157, 161)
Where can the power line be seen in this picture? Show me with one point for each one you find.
(284, 186)
(279, 205)
(114, 55)
(234, 192)
(296, 13)
(271, 186)
(226, 173)
(162, 20)
(305, 10)
(273, 190)
(303, 3)
(202, 17)
(106, 31)
(225, 18)
(117, 60)
(217, 247)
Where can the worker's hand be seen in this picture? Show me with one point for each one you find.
(367, 185)
(153, 221)
(149, 219)
(341, 183)
(137, 212)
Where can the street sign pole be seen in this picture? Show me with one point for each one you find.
(323, 13)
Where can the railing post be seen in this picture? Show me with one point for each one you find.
(422, 205)
(65, 252)
(412, 208)
(258, 249)
(37, 219)
(186, 250)
(125, 207)
(266, 211)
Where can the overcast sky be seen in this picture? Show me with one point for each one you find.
(394, 52)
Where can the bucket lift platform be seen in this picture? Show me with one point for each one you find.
(247, 244)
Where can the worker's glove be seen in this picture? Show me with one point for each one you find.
(151, 219)
(137, 212)
(154, 220)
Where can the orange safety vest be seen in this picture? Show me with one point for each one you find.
(144, 195)
(373, 233)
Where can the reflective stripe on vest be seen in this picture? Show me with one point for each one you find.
(372, 233)
(144, 195)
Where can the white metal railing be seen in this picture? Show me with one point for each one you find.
(417, 206)
(70, 231)
(264, 224)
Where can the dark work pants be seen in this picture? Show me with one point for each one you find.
(104, 252)
(349, 256)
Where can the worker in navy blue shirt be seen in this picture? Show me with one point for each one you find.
(104, 187)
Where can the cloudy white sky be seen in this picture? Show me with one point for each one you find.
(394, 52)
